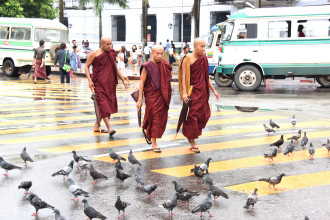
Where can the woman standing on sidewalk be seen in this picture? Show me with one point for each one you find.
(134, 61)
(171, 55)
(121, 62)
(139, 53)
(39, 63)
(63, 57)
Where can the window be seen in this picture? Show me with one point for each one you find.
(4, 33)
(279, 29)
(177, 28)
(227, 31)
(247, 31)
(217, 17)
(313, 28)
(118, 24)
(20, 33)
(50, 35)
(151, 28)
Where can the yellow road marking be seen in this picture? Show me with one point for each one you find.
(182, 171)
(288, 183)
(53, 102)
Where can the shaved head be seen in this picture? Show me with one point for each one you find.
(199, 47)
(198, 41)
(156, 47)
(157, 52)
(106, 43)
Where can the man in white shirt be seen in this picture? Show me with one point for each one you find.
(146, 51)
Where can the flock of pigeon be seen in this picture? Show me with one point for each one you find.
(181, 193)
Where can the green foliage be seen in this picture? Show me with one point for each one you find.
(98, 4)
(28, 8)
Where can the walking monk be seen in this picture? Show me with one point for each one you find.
(104, 81)
(195, 72)
(155, 82)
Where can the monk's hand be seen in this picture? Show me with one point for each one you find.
(139, 104)
(126, 84)
(217, 95)
(91, 85)
(185, 98)
(41, 65)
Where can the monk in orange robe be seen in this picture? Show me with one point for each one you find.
(155, 83)
(198, 77)
(104, 82)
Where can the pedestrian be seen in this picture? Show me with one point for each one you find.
(146, 52)
(73, 61)
(83, 43)
(39, 63)
(300, 31)
(134, 59)
(167, 45)
(171, 55)
(173, 46)
(194, 71)
(155, 84)
(78, 52)
(87, 44)
(121, 62)
(104, 82)
(63, 57)
(186, 45)
(184, 51)
(139, 53)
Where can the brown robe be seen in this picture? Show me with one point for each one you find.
(105, 81)
(157, 92)
(40, 72)
(199, 109)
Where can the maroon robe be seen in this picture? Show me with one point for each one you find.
(157, 92)
(104, 78)
(40, 72)
(199, 109)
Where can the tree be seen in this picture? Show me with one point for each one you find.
(195, 11)
(28, 9)
(98, 7)
(145, 6)
(60, 7)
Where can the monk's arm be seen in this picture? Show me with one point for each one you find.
(184, 89)
(141, 86)
(213, 90)
(89, 62)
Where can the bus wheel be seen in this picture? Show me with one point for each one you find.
(324, 81)
(48, 70)
(247, 78)
(9, 68)
(222, 81)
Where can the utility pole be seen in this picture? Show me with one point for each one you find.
(145, 5)
(257, 3)
(197, 5)
(60, 7)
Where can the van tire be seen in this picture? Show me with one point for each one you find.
(9, 68)
(222, 81)
(247, 78)
(324, 81)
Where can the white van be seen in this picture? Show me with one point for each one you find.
(19, 37)
(258, 44)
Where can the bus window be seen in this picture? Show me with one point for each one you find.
(314, 28)
(50, 35)
(247, 31)
(209, 41)
(217, 43)
(279, 29)
(4, 33)
(20, 33)
(227, 31)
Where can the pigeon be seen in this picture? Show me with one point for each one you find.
(171, 204)
(304, 140)
(121, 176)
(25, 156)
(65, 171)
(270, 156)
(138, 177)
(178, 188)
(186, 196)
(37, 203)
(207, 179)
(205, 165)
(293, 120)
(132, 159)
(90, 212)
(306, 218)
(118, 165)
(197, 172)
(296, 137)
(278, 143)
(58, 215)
(289, 148)
(82, 164)
(96, 174)
(273, 180)
(327, 145)
(205, 205)
(76, 190)
(25, 185)
(7, 166)
(311, 151)
(273, 124)
(76, 157)
(149, 189)
(216, 192)
(252, 199)
(121, 206)
(114, 155)
(268, 130)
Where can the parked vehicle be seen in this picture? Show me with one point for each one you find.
(259, 44)
(84, 53)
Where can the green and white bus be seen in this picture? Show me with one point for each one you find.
(259, 44)
(19, 37)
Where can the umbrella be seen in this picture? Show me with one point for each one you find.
(31, 71)
(97, 113)
(135, 96)
(184, 112)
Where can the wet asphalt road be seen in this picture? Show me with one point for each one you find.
(52, 123)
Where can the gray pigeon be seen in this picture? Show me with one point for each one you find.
(296, 137)
(7, 166)
(273, 124)
(273, 180)
(252, 200)
(121, 206)
(289, 148)
(293, 120)
(76, 157)
(114, 155)
(25, 156)
(207, 179)
(121, 176)
(138, 177)
(216, 192)
(178, 188)
(37, 203)
(205, 205)
(149, 189)
(65, 171)
(304, 140)
(197, 172)
(82, 164)
(132, 159)
(268, 130)
(76, 190)
(25, 185)
(186, 196)
(311, 151)
(327, 145)
(171, 204)
(118, 165)
(205, 166)
(96, 174)
(270, 156)
(90, 212)
(58, 215)
(278, 143)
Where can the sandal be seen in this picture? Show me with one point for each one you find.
(69, 90)
(156, 150)
(112, 132)
(146, 137)
(48, 82)
(195, 149)
(102, 131)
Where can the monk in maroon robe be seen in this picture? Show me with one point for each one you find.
(199, 109)
(104, 82)
(155, 83)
